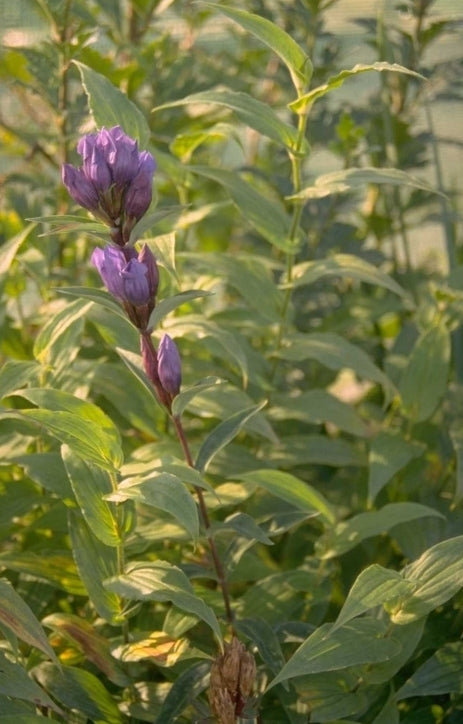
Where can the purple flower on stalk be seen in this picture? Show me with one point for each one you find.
(130, 277)
(114, 182)
(169, 366)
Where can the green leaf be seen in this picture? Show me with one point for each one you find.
(264, 637)
(16, 615)
(188, 394)
(186, 687)
(294, 491)
(16, 683)
(292, 55)
(336, 353)
(441, 674)
(81, 425)
(266, 215)
(110, 107)
(389, 453)
(165, 491)
(57, 343)
(436, 576)
(168, 304)
(71, 222)
(348, 534)
(95, 646)
(223, 434)
(99, 296)
(328, 649)
(345, 266)
(251, 111)
(373, 587)
(160, 581)
(338, 182)
(456, 436)
(424, 381)
(296, 450)
(90, 484)
(15, 374)
(245, 526)
(57, 569)
(11, 248)
(79, 690)
(47, 469)
(301, 104)
(96, 563)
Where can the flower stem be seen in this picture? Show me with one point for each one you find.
(219, 569)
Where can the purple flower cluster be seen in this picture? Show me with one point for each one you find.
(114, 181)
(115, 184)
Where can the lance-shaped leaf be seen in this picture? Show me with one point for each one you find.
(15, 374)
(345, 266)
(16, 683)
(90, 484)
(373, 587)
(336, 81)
(110, 107)
(99, 296)
(60, 332)
(160, 581)
(223, 434)
(87, 430)
(85, 638)
(185, 688)
(349, 179)
(293, 490)
(266, 215)
(251, 111)
(349, 533)
(436, 576)
(424, 381)
(362, 641)
(16, 615)
(188, 394)
(79, 690)
(164, 491)
(389, 453)
(292, 55)
(167, 305)
(96, 562)
(441, 674)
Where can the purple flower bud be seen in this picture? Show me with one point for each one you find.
(169, 366)
(147, 258)
(135, 283)
(139, 193)
(110, 263)
(80, 188)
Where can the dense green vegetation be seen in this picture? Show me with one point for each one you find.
(280, 541)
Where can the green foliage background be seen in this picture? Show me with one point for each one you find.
(308, 214)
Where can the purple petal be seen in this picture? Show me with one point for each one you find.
(135, 283)
(80, 187)
(110, 262)
(147, 258)
(169, 366)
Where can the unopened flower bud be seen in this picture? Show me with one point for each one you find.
(147, 258)
(169, 366)
(232, 680)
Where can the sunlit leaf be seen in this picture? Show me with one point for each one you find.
(16, 615)
(110, 107)
(161, 581)
(297, 62)
(328, 649)
(336, 81)
(223, 434)
(436, 576)
(294, 491)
